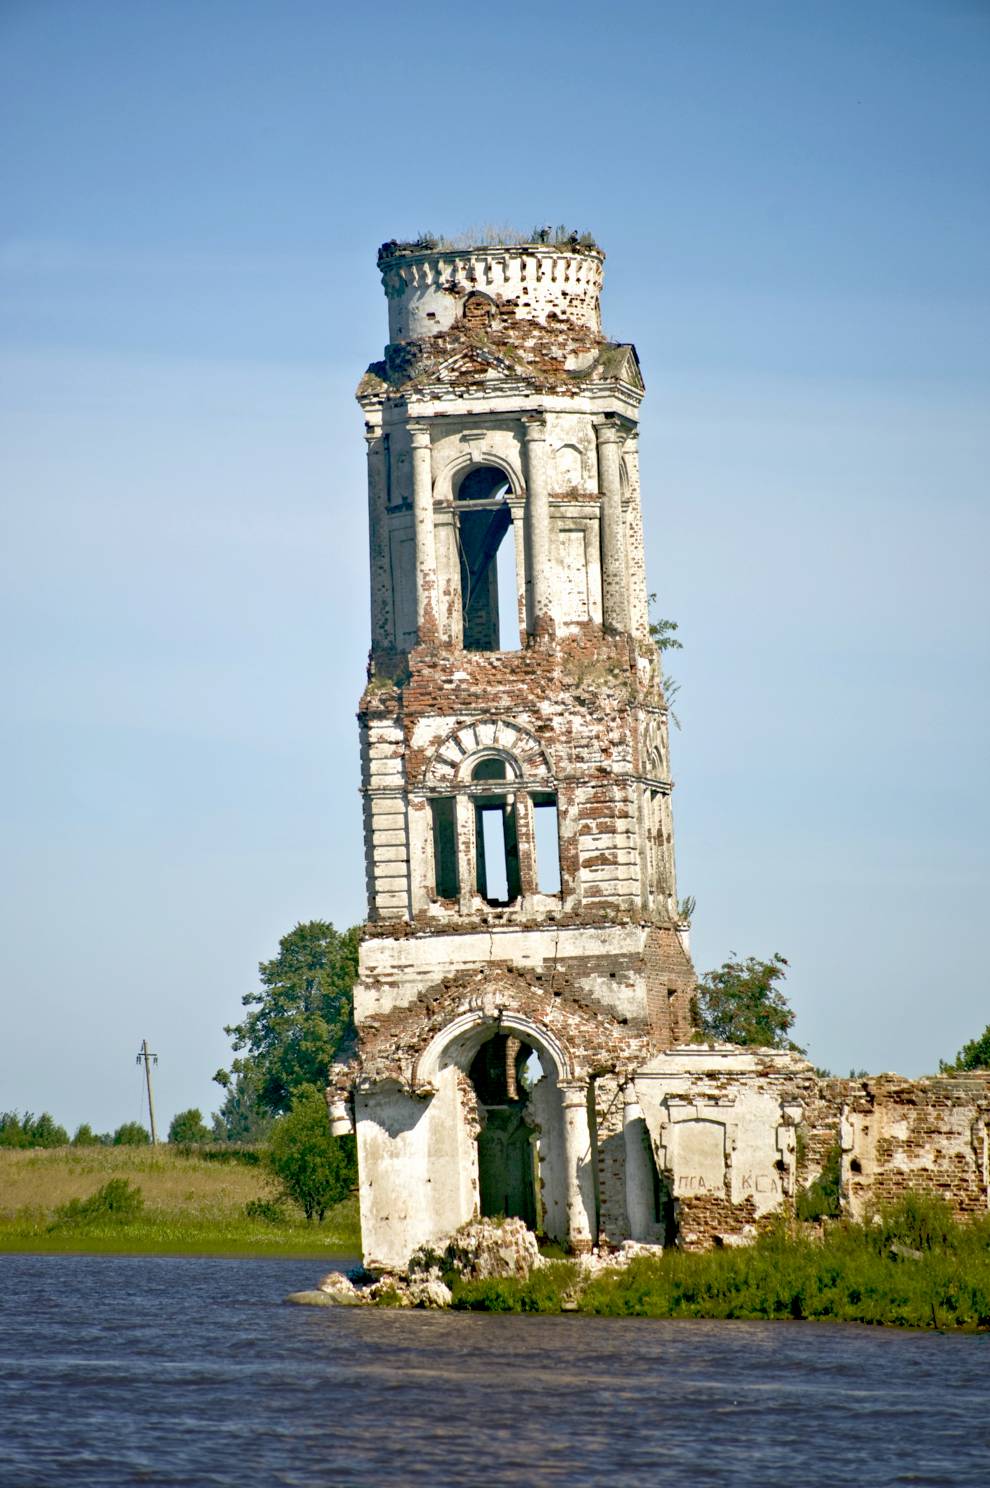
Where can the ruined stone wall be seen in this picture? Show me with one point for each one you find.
(929, 1135)
(738, 1134)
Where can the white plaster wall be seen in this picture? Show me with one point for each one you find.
(572, 451)
(418, 1169)
(426, 292)
(544, 1102)
(719, 1128)
(394, 972)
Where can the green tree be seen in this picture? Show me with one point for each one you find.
(188, 1126)
(314, 1168)
(31, 1131)
(85, 1136)
(972, 1056)
(12, 1130)
(131, 1134)
(740, 1003)
(241, 1118)
(300, 1019)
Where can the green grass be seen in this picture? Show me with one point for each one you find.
(852, 1274)
(193, 1204)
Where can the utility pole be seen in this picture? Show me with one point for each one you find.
(149, 1059)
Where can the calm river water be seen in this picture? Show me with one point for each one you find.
(160, 1371)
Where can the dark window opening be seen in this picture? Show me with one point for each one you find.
(496, 840)
(487, 550)
(507, 1150)
(547, 835)
(447, 882)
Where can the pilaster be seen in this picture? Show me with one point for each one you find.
(615, 602)
(426, 551)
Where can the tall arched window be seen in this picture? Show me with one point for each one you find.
(486, 545)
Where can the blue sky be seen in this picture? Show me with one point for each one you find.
(794, 202)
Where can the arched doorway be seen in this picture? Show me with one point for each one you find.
(503, 1073)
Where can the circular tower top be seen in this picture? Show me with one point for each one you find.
(428, 289)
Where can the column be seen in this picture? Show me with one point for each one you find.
(426, 548)
(381, 597)
(578, 1157)
(639, 1176)
(538, 523)
(614, 601)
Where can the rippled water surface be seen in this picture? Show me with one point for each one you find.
(160, 1371)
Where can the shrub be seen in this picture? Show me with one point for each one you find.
(822, 1198)
(314, 1168)
(268, 1210)
(118, 1201)
(918, 1221)
(544, 1290)
(131, 1134)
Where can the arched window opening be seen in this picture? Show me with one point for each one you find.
(503, 1073)
(496, 839)
(487, 550)
(446, 878)
(547, 835)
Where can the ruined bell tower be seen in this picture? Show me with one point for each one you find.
(523, 956)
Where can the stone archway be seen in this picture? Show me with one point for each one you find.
(555, 1110)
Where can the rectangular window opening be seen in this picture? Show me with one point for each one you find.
(497, 852)
(445, 848)
(547, 833)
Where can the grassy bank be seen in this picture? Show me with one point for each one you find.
(192, 1204)
(914, 1268)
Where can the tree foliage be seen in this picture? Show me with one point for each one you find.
(241, 1118)
(301, 1016)
(131, 1134)
(86, 1137)
(740, 1003)
(188, 1126)
(314, 1168)
(972, 1056)
(31, 1131)
(665, 639)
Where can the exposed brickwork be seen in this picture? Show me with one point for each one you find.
(501, 415)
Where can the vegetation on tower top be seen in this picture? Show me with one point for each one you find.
(492, 237)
